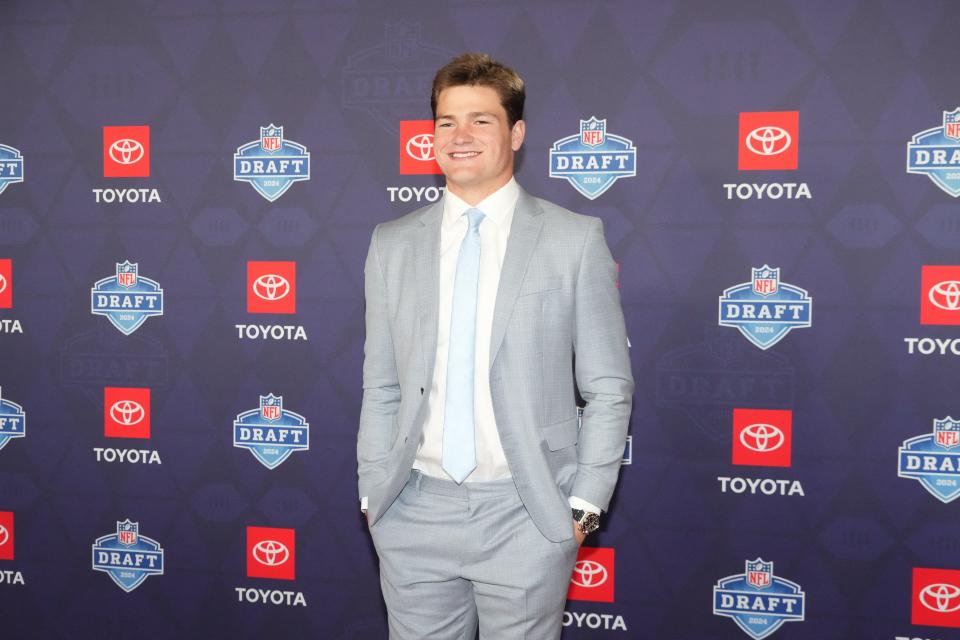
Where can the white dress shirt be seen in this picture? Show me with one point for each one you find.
(498, 210)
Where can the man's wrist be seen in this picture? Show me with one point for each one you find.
(580, 503)
(586, 521)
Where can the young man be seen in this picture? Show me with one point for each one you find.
(477, 485)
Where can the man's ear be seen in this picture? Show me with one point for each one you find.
(517, 134)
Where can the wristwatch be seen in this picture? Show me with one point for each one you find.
(587, 521)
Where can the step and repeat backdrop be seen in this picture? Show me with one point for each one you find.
(187, 191)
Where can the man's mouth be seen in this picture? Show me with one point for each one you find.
(462, 155)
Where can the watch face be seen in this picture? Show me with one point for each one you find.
(591, 523)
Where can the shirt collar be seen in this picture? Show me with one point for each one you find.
(497, 206)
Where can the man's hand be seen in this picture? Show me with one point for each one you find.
(576, 533)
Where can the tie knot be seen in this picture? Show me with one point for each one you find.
(474, 218)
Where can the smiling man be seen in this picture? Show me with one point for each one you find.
(486, 312)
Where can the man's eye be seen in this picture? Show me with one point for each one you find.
(445, 124)
(483, 122)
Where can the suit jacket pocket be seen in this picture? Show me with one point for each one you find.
(541, 285)
(561, 434)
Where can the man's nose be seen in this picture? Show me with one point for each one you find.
(463, 135)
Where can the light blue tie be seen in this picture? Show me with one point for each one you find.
(459, 447)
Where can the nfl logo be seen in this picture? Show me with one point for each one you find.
(271, 407)
(403, 39)
(759, 573)
(127, 533)
(593, 132)
(951, 124)
(127, 274)
(947, 432)
(766, 280)
(271, 138)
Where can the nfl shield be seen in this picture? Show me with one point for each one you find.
(593, 132)
(951, 124)
(127, 532)
(271, 407)
(947, 432)
(759, 573)
(403, 39)
(271, 138)
(126, 274)
(766, 280)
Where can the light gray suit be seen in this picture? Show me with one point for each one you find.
(557, 299)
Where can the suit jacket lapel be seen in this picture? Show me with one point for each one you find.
(428, 282)
(524, 232)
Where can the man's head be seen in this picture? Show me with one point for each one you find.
(478, 112)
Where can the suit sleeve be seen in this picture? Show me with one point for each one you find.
(381, 384)
(602, 370)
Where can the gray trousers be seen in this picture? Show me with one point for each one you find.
(451, 555)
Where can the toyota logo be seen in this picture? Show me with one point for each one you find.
(420, 147)
(589, 574)
(941, 597)
(127, 412)
(126, 151)
(270, 553)
(3, 283)
(762, 437)
(944, 295)
(768, 141)
(271, 287)
(4, 535)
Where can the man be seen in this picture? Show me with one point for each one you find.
(484, 310)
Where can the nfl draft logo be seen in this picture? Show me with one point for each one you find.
(385, 80)
(11, 166)
(127, 299)
(13, 421)
(271, 433)
(936, 153)
(127, 557)
(271, 164)
(934, 459)
(593, 160)
(765, 309)
(757, 600)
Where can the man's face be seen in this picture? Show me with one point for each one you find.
(473, 142)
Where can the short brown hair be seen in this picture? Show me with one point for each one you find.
(480, 69)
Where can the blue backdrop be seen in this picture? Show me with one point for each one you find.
(755, 152)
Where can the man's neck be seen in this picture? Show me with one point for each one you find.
(474, 196)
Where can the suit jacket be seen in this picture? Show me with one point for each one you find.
(557, 322)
